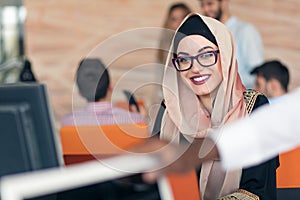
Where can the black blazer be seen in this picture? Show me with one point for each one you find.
(261, 179)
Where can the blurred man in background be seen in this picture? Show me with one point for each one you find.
(249, 46)
(272, 79)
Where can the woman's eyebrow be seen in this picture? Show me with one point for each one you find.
(203, 48)
(184, 53)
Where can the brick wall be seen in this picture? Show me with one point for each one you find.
(60, 33)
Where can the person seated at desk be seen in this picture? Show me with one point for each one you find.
(94, 85)
(93, 81)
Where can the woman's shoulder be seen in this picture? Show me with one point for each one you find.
(254, 99)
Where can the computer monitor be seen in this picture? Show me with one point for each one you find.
(27, 141)
(18, 148)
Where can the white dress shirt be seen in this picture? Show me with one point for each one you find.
(249, 48)
(269, 130)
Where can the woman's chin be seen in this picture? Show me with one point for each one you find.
(202, 93)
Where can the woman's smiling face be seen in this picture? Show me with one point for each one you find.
(202, 80)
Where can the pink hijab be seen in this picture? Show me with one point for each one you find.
(185, 114)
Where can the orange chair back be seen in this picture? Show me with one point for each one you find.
(184, 186)
(288, 173)
(82, 143)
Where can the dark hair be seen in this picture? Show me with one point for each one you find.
(179, 5)
(176, 6)
(273, 70)
(92, 79)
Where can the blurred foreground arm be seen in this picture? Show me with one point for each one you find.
(267, 132)
(178, 158)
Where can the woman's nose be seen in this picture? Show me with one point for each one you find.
(196, 67)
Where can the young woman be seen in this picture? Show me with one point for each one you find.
(176, 13)
(203, 91)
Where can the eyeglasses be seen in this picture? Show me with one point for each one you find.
(206, 59)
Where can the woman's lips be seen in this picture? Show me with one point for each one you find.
(199, 80)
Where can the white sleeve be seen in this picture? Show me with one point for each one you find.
(251, 53)
(252, 47)
(267, 132)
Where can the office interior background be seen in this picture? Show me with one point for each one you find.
(58, 34)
